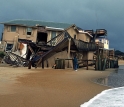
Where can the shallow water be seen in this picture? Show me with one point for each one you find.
(115, 79)
(108, 98)
(112, 97)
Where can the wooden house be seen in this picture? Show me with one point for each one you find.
(53, 40)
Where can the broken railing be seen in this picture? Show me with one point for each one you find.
(15, 60)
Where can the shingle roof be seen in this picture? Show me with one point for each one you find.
(32, 23)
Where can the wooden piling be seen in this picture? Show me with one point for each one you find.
(87, 65)
(42, 64)
(29, 65)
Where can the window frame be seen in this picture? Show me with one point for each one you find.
(29, 31)
(13, 28)
(53, 36)
(53, 43)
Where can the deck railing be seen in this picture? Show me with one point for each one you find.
(59, 38)
(100, 45)
(81, 45)
(85, 46)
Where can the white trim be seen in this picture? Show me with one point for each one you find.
(54, 28)
(85, 33)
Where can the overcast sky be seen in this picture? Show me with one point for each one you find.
(87, 14)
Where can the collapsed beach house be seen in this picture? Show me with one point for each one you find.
(48, 44)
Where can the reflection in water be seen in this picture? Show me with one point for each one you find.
(103, 81)
(106, 81)
(115, 79)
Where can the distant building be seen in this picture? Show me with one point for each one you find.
(104, 41)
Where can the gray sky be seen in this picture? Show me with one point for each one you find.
(87, 14)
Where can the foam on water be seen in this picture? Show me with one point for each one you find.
(112, 97)
(108, 98)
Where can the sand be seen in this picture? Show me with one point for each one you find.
(22, 87)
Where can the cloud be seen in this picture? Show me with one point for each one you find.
(87, 14)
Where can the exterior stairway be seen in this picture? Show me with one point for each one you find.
(59, 43)
(56, 44)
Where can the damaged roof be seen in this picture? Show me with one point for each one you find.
(33, 23)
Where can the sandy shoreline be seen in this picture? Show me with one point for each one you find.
(21, 87)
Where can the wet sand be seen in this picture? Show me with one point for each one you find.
(21, 87)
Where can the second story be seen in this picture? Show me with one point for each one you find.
(40, 31)
(32, 30)
(100, 37)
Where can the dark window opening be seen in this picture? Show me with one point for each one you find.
(28, 33)
(41, 38)
(9, 47)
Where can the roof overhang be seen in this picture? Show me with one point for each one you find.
(18, 25)
(48, 28)
(35, 24)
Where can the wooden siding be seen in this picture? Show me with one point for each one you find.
(85, 46)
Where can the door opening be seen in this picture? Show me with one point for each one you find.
(41, 38)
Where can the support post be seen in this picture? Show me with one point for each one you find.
(69, 45)
(42, 64)
(29, 65)
(87, 64)
(15, 44)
